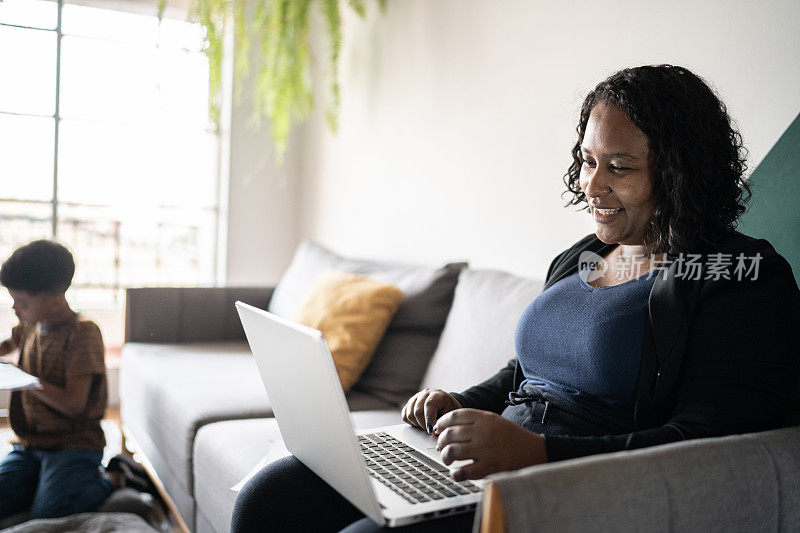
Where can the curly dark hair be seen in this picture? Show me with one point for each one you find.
(39, 267)
(698, 153)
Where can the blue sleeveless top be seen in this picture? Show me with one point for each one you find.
(582, 345)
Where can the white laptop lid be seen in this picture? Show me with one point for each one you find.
(307, 398)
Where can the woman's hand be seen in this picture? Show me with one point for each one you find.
(425, 408)
(493, 443)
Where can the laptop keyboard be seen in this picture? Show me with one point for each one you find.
(409, 473)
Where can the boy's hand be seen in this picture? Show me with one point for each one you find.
(425, 408)
(71, 399)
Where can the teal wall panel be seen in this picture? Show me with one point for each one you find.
(774, 210)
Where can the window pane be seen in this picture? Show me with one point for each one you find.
(20, 223)
(183, 84)
(35, 13)
(169, 247)
(181, 34)
(108, 81)
(29, 74)
(140, 166)
(26, 157)
(110, 320)
(93, 235)
(109, 24)
(95, 239)
(122, 82)
(119, 248)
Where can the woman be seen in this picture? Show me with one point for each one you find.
(652, 330)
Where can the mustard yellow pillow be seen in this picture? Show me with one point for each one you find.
(353, 313)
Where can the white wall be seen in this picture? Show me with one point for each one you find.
(457, 116)
(263, 214)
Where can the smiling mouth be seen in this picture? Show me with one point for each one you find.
(609, 211)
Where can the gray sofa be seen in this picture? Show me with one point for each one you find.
(737, 483)
(192, 401)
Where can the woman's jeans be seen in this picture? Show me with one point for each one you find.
(52, 484)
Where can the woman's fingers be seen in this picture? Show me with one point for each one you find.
(474, 470)
(455, 434)
(424, 408)
(408, 411)
(458, 417)
(458, 451)
(434, 405)
(404, 413)
(414, 410)
(419, 409)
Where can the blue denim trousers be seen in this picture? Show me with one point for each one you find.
(52, 484)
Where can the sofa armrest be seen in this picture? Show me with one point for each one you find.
(743, 482)
(188, 314)
(492, 511)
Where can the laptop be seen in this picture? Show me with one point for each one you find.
(393, 474)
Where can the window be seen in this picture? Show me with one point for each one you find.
(105, 145)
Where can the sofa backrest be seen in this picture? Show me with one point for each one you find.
(188, 314)
(478, 338)
(412, 336)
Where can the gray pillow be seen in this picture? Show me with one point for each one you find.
(402, 356)
(478, 339)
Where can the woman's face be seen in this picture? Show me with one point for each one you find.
(617, 176)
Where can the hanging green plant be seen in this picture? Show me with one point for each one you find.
(280, 31)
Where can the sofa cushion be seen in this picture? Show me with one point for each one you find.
(217, 468)
(400, 360)
(169, 391)
(478, 339)
(352, 312)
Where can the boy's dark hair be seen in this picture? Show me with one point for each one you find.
(40, 267)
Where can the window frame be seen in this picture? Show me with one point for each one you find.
(54, 203)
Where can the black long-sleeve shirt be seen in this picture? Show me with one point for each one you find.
(719, 356)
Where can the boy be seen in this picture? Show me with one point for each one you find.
(53, 469)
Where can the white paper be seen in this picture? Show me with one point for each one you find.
(13, 378)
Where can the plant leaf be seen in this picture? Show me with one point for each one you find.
(359, 7)
(278, 31)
